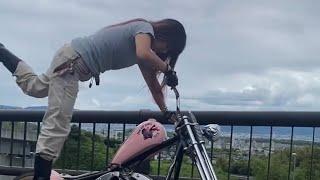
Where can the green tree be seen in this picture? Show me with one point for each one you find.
(68, 158)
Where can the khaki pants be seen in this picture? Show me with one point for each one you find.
(61, 88)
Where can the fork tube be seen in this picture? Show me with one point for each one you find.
(202, 163)
(208, 162)
(203, 149)
(199, 154)
(201, 171)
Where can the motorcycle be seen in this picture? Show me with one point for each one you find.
(148, 139)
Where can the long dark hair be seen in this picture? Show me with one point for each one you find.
(172, 32)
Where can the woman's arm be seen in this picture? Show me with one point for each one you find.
(150, 76)
(146, 56)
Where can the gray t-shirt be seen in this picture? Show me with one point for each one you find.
(111, 47)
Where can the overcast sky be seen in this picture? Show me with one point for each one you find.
(240, 55)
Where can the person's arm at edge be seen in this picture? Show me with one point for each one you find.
(155, 88)
(146, 55)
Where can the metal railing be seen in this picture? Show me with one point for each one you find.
(231, 119)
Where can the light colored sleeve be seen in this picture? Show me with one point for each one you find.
(144, 28)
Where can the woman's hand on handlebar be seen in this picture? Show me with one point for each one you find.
(170, 77)
(170, 116)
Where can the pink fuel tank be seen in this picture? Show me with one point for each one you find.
(145, 136)
(55, 176)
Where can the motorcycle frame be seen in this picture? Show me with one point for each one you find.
(188, 135)
(134, 161)
(180, 140)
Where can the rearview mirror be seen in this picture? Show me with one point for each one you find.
(212, 132)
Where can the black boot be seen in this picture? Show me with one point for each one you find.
(9, 60)
(42, 168)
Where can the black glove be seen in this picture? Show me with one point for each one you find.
(170, 116)
(171, 78)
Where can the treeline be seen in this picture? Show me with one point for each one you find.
(278, 169)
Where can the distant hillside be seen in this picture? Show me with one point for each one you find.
(9, 107)
(36, 108)
(28, 108)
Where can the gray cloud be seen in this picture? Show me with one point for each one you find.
(275, 90)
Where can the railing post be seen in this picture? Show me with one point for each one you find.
(230, 151)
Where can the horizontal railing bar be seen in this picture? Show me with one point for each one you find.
(236, 118)
(14, 171)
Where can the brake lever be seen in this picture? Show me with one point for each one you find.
(178, 113)
(175, 92)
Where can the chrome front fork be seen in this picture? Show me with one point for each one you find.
(203, 161)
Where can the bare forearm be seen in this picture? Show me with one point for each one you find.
(146, 55)
(159, 99)
(155, 88)
(153, 61)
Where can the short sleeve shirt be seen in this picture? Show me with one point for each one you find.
(112, 47)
